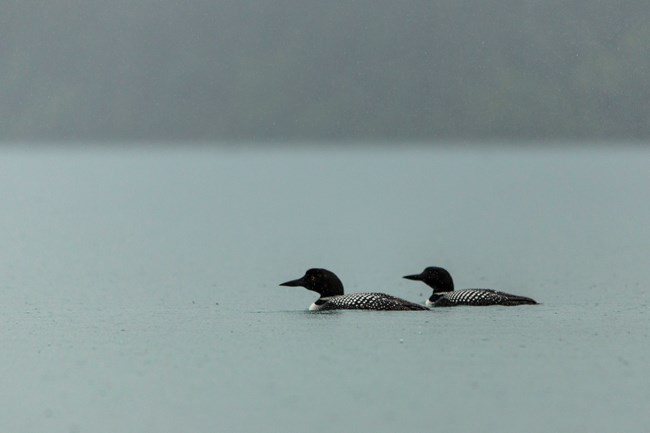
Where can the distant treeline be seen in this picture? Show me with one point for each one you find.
(307, 69)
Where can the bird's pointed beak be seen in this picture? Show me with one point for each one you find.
(416, 277)
(294, 283)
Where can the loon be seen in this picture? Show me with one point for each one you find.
(330, 289)
(444, 295)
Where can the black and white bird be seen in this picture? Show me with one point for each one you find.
(444, 295)
(330, 289)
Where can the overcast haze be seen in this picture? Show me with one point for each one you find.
(288, 69)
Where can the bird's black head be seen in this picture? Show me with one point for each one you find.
(322, 281)
(437, 278)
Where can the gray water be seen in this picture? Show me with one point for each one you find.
(139, 289)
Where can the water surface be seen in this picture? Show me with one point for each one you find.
(140, 289)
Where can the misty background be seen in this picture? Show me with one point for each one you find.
(288, 69)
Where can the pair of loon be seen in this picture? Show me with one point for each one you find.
(330, 289)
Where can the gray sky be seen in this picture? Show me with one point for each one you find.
(275, 70)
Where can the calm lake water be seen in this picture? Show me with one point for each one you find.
(140, 289)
